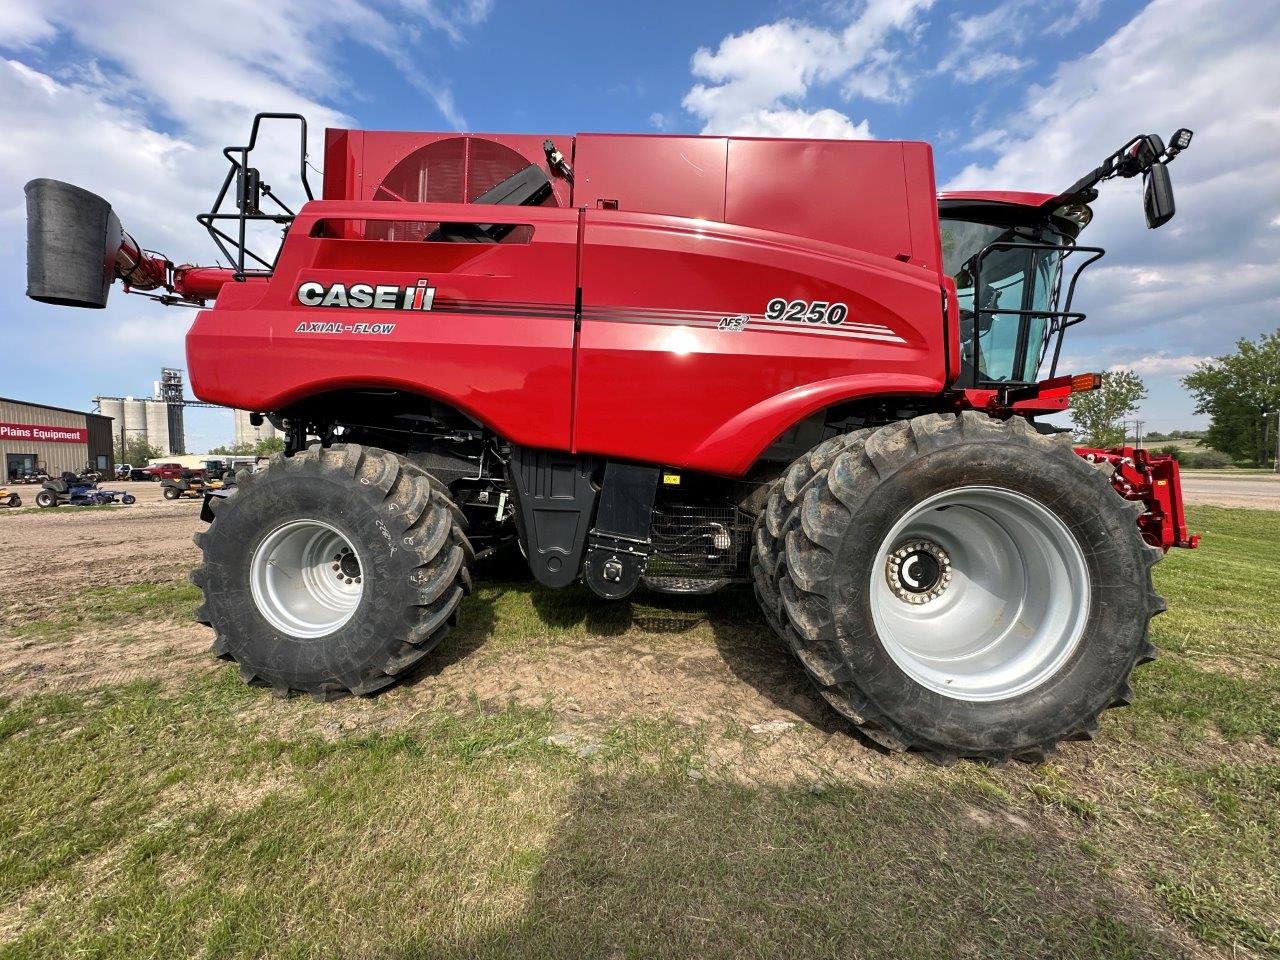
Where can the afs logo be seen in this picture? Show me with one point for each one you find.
(366, 296)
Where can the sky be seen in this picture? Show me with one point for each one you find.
(135, 101)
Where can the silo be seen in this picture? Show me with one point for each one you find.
(247, 433)
(115, 410)
(243, 429)
(158, 426)
(135, 419)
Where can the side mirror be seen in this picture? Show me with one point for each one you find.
(1147, 150)
(1157, 195)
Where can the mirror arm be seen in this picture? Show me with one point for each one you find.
(1125, 162)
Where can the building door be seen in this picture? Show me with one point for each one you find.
(18, 465)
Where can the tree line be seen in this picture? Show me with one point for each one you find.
(139, 451)
(1239, 392)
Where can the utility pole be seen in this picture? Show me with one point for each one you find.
(1137, 431)
(1276, 414)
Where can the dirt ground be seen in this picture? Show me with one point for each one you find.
(695, 661)
(93, 598)
(677, 661)
(50, 553)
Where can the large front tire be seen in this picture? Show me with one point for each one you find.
(333, 571)
(967, 587)
(778, 516)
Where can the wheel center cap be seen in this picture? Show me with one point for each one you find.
(918, 571)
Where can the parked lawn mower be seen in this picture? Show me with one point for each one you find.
(73, 491)
(9, 498)
(192, 486)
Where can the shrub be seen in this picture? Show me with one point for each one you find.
(1204, 459)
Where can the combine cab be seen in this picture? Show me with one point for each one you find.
(676, 362)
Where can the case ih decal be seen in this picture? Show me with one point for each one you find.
(367, 296)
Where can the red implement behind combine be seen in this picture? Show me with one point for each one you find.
(677, 361)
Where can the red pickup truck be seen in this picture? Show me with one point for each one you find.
(172, 471)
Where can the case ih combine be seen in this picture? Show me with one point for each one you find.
(676, 361)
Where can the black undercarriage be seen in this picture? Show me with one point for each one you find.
(613, 523)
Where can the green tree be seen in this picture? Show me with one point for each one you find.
(137, 451)
(1096, 413)
(1240, 392)
(267, 446)
(239, 450)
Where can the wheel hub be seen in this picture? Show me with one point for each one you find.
(918, 571)
(346, 565)
(305, 578)
(980, 593)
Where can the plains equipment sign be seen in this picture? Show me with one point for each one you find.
(40, 434)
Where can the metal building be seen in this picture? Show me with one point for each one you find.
(34, 436)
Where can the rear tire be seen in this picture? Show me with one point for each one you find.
(46, 499)
(1033, 608)
(172, 493)
(773, 522)
(333, 571)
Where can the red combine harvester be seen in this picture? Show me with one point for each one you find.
(678, 361)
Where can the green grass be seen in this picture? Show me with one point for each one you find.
(208, 819)
(114, 606)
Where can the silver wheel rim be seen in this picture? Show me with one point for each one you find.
(306, 579)
(980, 593)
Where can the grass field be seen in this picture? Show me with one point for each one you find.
(195, 816)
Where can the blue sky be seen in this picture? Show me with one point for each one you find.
(1012, 93)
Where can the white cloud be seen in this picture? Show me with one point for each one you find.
(983, 45)
(136, 105)
(1081, 12)
(1160, 364)
(824, 124)
(980, 66)
(1210, 276)
(22, 23)
(993, 139)
(980, 44)
(756, 82)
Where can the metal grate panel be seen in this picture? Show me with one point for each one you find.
(696, 540)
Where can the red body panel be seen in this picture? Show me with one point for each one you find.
(672, 236)
(511, 372)
(658, 379)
